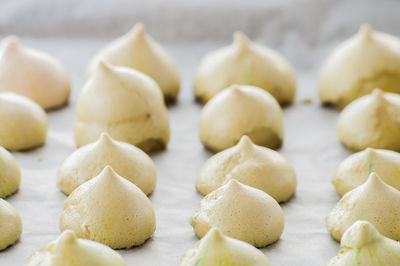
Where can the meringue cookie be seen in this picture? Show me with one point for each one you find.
(237, 111)
(139, 51)
(366, 61)
(125, 103)
(10, 174)
(241, 212)
(373, 201)
(111, 210)
(252, 165)
(363, 245)
(33, 73)
(67, 249)
(354, 170)
(246, 63)
(371, 121)
(23, 123)
(10, 224)
(88, 161)
(217, 249)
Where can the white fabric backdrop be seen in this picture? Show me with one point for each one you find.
(304, 31)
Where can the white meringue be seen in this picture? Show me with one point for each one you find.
(88, 161)
(246, 63)
(68, 250)
(363, 245)
(10, 174)
(237, 111)
(252, 165)
(217, 249)
(371, 121)
(125, 103)
(10, 224)
(23, 123)
(33, 73)
(373, 201)
(354, 170)
(139, 51)
(366, 61)
(111, 210)
(241, 212)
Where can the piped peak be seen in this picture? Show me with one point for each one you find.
(233, 186)
(377, 92)
(370, 151)
(68, 249)
(375, 181)
(235, 88)
(108, 173)
(66, 238)
(138, 30)
(104, 67)
(214, 235)
(366, 32)
(215, 248)
(11, 43)
(241, 41)
(360, 234)
(245, 143)
(105, 140)
(109, 197)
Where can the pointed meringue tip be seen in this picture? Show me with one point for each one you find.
(138, 29)
(245, 143)
(235, 88)
(233, 184)
(374, 178)
(105, 138)
(378, 94)
(104, 66)
(67, 236)
(214, 234)
(365, 31)
(108, 172)
(370, 150)
(240, 39)
(360, 234)
(11, 42)
(377, 91)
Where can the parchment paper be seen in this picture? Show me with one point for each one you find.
(304, 31)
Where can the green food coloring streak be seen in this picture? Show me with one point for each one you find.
(246, 74)
(358, 260)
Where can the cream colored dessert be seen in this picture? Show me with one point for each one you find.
(363, 245)
(373, 201)
(125, 103)
(366, 61)
(10, 174)
(371, 121)
(241, 212)
(32, 73)
(23, 123)
(244, 62)
(216, 249)
(251, 165)
(237, 111)
(10, 225)
(139, 51)
(69, 250)
(89, 160)
(354, 170)
(111, 210)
